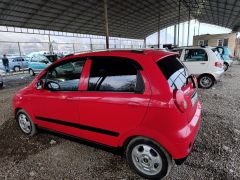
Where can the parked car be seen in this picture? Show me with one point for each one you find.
(227, 56)
(144, 102)
(1, 81)
(39, 62)
(18, 63)
(202, 62)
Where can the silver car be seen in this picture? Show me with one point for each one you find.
(18, 63)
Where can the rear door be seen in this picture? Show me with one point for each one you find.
(196, 60)
(115, 101)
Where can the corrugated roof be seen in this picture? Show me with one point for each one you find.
(127, 18)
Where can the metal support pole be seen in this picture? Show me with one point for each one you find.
(20, 53)
(179, 14)
(145, 42)
(175, 35)
(158, 34)
(50, 45)
(199, 28)
(194, 28)
(91, 45)
(106, 23)
(189, 19)
(73, 48)
(183, 29)
(166, 36)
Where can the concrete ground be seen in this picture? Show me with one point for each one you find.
(216, 153)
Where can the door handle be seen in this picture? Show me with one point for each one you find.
(133, 104)
(202, 63)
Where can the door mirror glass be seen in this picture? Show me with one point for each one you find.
(53, 86)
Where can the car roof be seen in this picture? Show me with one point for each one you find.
(154, 54)
(191, 47)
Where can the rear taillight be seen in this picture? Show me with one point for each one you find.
(179, 100)
(218, 64)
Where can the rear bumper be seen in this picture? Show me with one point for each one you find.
(188, 135)
(218, 74)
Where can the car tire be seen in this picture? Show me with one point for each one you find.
(25, 123)
(16, 68)
(31, 72)
(206, 81)
(148, 158)
(225, 66)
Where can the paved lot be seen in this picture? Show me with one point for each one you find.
(216, 154)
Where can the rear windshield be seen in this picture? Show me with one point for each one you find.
(217, 53)
(174, 71)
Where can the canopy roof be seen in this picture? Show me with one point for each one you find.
(126, 18)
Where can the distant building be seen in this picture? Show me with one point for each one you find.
(229, 40)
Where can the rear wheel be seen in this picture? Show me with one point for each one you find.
(25, 123)
(31, 72)
(206, 81)
(148, 158)
(225, 66)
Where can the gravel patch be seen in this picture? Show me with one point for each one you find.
(215, 154)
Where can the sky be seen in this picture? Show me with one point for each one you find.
(167, 34)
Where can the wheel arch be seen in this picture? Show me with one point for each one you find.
(156, 137)
(16, 111)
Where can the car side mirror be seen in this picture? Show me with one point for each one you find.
(40, 84)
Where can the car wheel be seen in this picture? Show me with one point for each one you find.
(25, 123)
(16, 68)
(225, 66)
(31, 72)
(148, 158)
(206, 81)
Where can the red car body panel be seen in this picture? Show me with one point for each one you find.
(111, 118)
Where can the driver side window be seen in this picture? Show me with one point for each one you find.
(65, 76)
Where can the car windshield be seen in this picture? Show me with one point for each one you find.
(52, 58)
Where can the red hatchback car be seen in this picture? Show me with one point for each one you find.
(143, 101)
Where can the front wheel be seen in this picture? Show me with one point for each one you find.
(25, 123)
(206, 81)
(148, 158)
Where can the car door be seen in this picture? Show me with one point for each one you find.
(56, 105)
(115, 100)
(196, 60)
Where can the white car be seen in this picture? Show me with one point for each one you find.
(203, 62)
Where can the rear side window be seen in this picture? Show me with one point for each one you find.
(195, 55)
(115, 74)
(174, 71)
